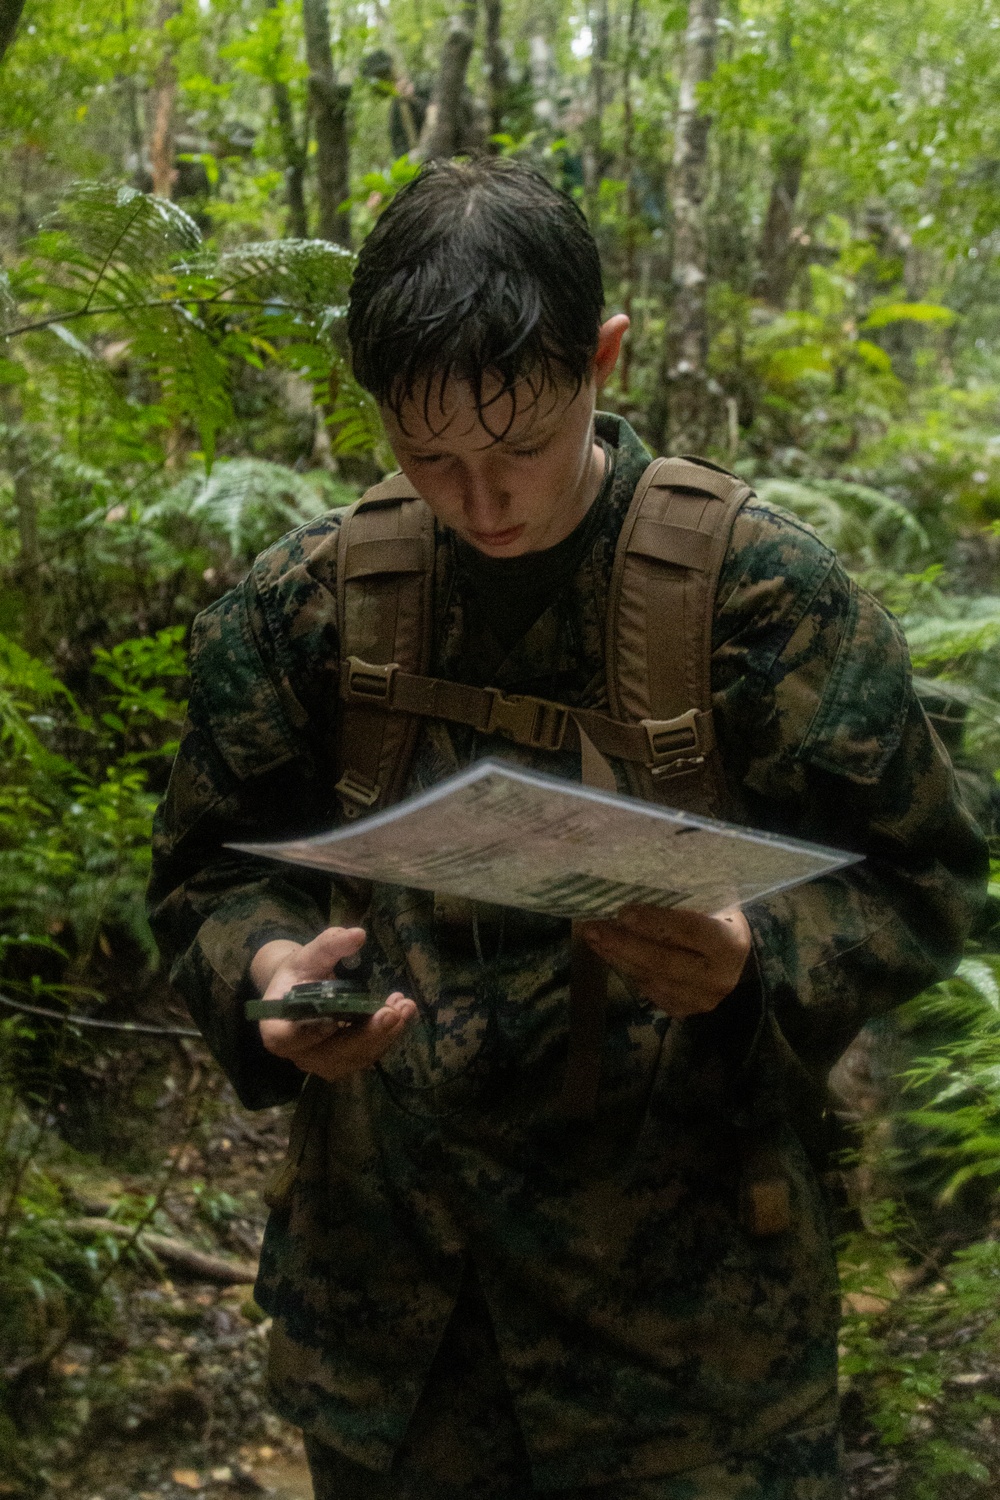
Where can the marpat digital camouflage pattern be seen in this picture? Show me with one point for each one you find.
(642, 1330)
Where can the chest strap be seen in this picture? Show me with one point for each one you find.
(665, 747)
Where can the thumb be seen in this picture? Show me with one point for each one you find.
(317, 960)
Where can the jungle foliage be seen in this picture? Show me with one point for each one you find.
(797, 204)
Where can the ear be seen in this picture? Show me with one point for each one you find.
(609, 344)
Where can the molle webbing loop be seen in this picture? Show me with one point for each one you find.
(385, 595)
(661, 607)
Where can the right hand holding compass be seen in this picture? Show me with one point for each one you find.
(325, 1046)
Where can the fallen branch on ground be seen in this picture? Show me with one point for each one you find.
(172, 1252)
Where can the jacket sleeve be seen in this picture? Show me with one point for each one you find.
(822, 732)
(251, 766)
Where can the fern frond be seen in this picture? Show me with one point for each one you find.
(113, 242)
(310, 275)
(190, 362)
(864, 525)
(137, 264)
(936, 641)
(248, 501)
(27, 686)
(357, 427)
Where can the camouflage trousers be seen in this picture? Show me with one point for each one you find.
(464, 1443)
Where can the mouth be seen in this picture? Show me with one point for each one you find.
(497, 538)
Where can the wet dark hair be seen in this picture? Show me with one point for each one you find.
(476, 269)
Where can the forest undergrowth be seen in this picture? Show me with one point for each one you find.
(150, 1376)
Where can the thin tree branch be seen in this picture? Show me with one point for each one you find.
(68, 1017)
(174, 1252)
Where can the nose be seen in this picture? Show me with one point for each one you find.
(485, 500)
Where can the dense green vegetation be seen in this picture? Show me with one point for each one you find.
(798, 204)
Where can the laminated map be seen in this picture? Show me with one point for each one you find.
(502, 834)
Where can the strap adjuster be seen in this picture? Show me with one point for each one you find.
(358, 793)
(675, 745)
(528, 721)
(366, 679)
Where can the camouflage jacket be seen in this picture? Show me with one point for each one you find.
(642, 1329)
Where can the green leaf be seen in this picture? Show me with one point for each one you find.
(908, 312)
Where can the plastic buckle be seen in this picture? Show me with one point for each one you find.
(360, 793)
(671, 742)
(366, 679)
(528, 721)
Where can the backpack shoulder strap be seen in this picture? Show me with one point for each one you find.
(661, 607)
(385, 589)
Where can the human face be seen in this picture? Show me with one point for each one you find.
(522, 492)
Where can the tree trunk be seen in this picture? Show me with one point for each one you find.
(29, 562)
(10, 14)
(162, 156)
(329, 99)
(631, 205)
(593, 150)
(777, 258)
(540, 70)
(295, 162)
(497, 66)
(444, 132)
(30, 559)
(293, 148)
(685, 429)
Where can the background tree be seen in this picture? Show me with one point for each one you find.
(329, 101)
(686, 427)
(448, 128)
(10, 14)
(292, 141)
(497, 64)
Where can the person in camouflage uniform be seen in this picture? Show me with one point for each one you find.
(471, 1294)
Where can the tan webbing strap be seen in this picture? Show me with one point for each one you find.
(588, 982)
(539, 723)
(595, 769)
(385, 583)
(588, 1006)
(660, 611)
(661, 606)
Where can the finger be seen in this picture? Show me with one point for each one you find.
(361, 1048)
(640, 957)
(316, 959)
(286, 1038)
(647, 922)
(679, 1004)
(685, 929)
(302, 1042)
(398, 1001)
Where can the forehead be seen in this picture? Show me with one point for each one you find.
(446, 411)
